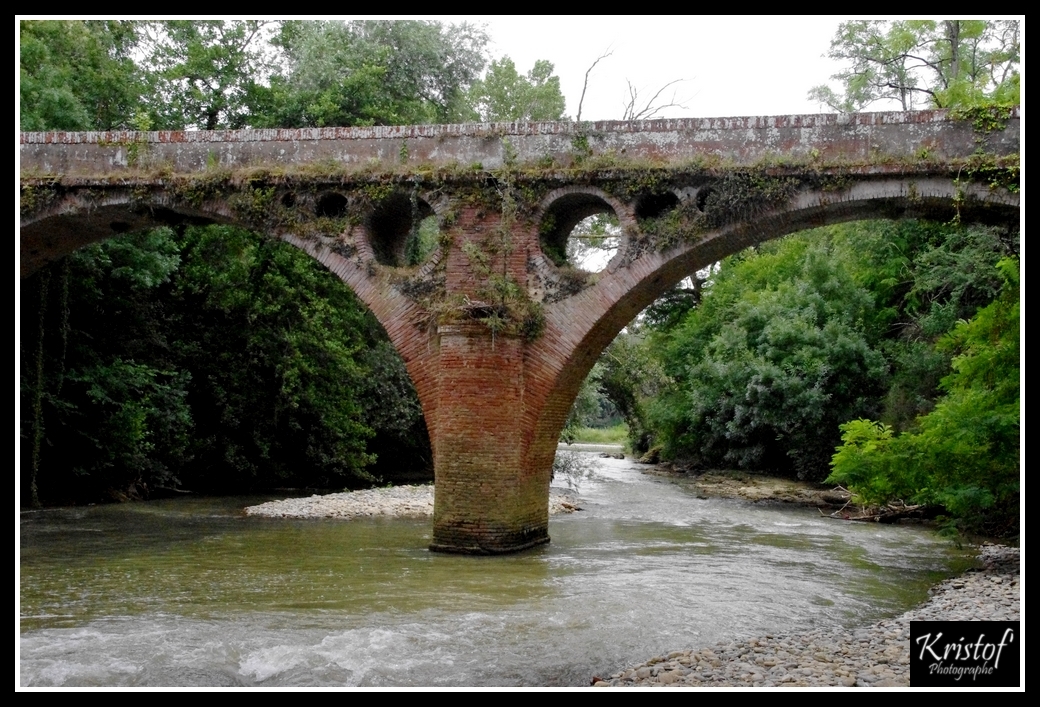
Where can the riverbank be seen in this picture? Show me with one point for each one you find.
(392, 501)
(875, 656)
(724, 483)
(417, 501)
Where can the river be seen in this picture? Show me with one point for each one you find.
(191, 592)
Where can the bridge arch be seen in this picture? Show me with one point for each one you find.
(590, 320)
(76, 217)
(79, 218)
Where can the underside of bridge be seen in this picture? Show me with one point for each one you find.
(496, 329)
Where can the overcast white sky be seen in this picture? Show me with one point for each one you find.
(728, 65)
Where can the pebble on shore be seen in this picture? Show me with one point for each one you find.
(875, 656)
(400, 501)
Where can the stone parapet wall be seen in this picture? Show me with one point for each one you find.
(743, 140)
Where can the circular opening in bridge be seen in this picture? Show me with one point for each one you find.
(703, 194)
(331, 205)
(580, 231)
(404, 230)
(655, 205)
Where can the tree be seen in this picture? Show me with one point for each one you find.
(78, 75)
(635, 109)
(770, 364)
(630, 376)
(202, 71)
(947, 64)
(504, 94)
(584, 408)
(371, 73)
(964, 455)
(273, 342)
(113, 411)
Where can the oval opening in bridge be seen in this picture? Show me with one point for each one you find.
(655, 205)
(580, 231)
(404, 230)
(702, 198)
(331, 205)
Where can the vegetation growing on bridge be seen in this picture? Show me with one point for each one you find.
(293, 199)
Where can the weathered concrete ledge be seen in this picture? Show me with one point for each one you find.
(933, 134)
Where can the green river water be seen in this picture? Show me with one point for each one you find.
(191, 592)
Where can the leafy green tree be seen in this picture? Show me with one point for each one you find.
(503, 94)
(112, 415)
(964, 455)
(585, 406)
(630, 376)
(272, 341)
(924, 278)
(371, 73)
(77, 75)
(772, 361)
(390, 407)
(202, 71)
(618, 389)
(789, 338)
(952, 63)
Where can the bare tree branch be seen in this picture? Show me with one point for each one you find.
(586, 84)
(649, 110)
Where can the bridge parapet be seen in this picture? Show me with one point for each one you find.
(858, 138)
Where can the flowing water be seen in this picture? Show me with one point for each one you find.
(191, 592)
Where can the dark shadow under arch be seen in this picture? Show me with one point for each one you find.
(63, 232)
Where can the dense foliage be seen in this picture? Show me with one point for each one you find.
(795, 341)
(371, 73)
(78, 75)
(964, 454)
(506, 95)
(213, 360)
(776, 353)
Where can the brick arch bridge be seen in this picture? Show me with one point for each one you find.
(497, 332)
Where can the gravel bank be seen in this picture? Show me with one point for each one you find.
(875, 656)
(403, 501)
